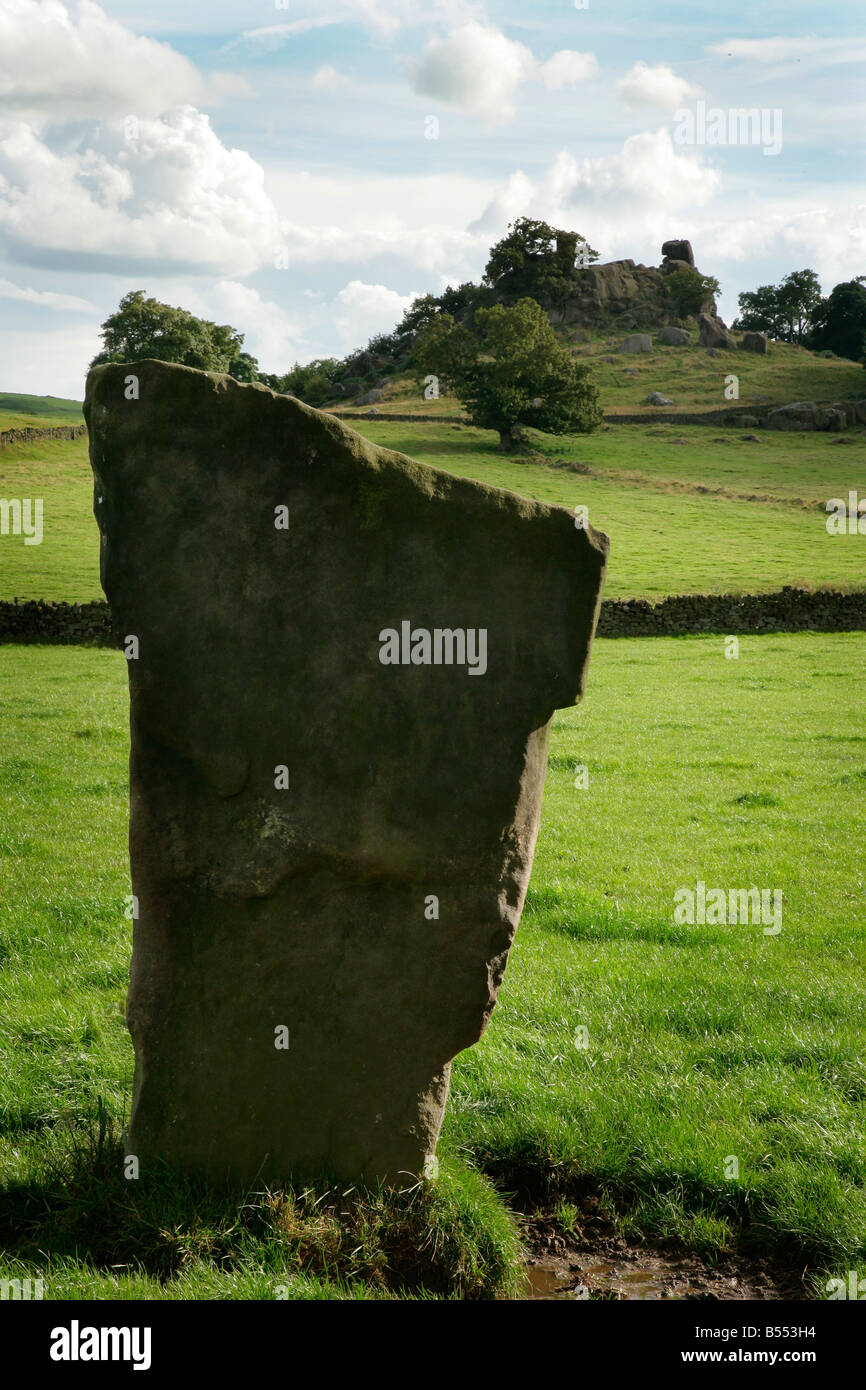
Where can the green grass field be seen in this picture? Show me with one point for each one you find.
(667, 536)
(703, 1043)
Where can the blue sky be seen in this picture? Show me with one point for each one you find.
(270, 166)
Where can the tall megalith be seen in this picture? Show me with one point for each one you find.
(342, 668)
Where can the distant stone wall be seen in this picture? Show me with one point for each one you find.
(32, 436)
(791, 610)
(56, 624)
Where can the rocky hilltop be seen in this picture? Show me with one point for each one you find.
(623, 295)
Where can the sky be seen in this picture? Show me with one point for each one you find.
(303, 170)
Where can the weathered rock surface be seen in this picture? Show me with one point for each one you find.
(656, 398)
(671, 336)
(714, 334)
(678, 251)
(637, 342)
(807, 415)
(320, 843)
(755, 342)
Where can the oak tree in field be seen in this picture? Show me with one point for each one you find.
(510, 372)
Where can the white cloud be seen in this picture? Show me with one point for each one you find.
(780, 49)
(362, 311)
(59, 65)
(478, 69)
(48, 362)
(272, 36)
(383, 18)
(171, 193)
(48, 298)
(658, 86)
(327, 79)
(273, 336)
(419, 220)
(566, 68)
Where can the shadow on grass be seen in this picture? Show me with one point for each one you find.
(452, 1237)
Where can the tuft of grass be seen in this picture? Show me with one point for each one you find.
(74, 1208)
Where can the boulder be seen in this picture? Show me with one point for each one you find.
(755, 342)
(749, 422)
(806, 415)
(671, 336)
(668, 266)
(371, 397)
(637, 342)
(679, 251)
(342, 670)
(656, 398)
(714, 334)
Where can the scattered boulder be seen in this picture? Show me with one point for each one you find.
(637, 342)
(714, 334)
(671, 336)
(371, 397)
(679, 251)
(755, 342)
(333, 811)
(749, 422)
(656, 398)
(802, 416)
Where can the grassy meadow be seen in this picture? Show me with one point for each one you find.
(702, 1043)
(630, 1057)
(673, 500)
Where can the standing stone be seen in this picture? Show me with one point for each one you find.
(330, 851)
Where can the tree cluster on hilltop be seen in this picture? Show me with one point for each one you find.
(795, 311)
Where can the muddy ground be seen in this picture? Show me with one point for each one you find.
(595, 1262)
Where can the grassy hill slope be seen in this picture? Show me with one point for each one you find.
(19, 412)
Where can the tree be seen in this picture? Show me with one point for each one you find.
(510, 372)
(840, 322)
(785, 311)
(314, 383)
(143, 327)
(536, 260)
(690, 290)
(760, 311)
(799, 297)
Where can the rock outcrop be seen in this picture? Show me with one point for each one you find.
(342, 669)
(624, 295)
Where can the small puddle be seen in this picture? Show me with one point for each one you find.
(606, 1278)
